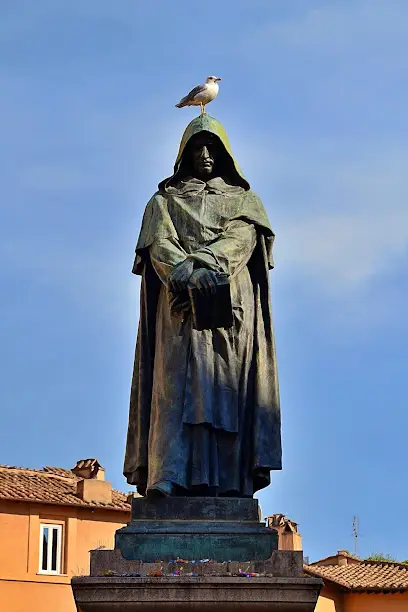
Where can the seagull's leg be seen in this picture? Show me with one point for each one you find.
(202, 108)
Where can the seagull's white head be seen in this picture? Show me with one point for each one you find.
(212, 79)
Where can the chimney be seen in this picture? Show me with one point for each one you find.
(345, 558)
(289, 537)
(342, 557)
(89, 468)
(92, 486)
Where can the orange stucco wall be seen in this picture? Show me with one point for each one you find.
(14, 540)
(330, 600)
(36, 596)
(376, 602)
(333, 600)
(22, 588)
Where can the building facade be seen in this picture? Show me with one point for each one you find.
(51, 518)
(49, 521)
(351, 584)
(355, 585)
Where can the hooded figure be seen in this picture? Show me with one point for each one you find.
(204, 407)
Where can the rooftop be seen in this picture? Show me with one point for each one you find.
(50, 485)
(353, 574)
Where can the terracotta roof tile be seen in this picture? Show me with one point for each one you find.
(57, 470)
(51, 485)
(365, 576)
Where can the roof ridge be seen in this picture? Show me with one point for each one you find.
(37, 472)
(37, 486)
(342, 553)
(399, 564)
(40, 472)
(364, 577)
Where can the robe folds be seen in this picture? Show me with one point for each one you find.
(204, 407)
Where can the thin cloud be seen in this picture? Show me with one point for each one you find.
(357, 227)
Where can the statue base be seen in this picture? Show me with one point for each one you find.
(194, 554)
(118, 585)
(196, 528)
(212, 594)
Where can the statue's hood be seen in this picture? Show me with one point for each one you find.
(205, 123)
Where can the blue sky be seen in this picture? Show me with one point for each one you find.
(314, 97)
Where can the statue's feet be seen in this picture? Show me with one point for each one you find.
(141, 489)
(164, 488)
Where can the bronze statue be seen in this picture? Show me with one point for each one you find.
(204, 408)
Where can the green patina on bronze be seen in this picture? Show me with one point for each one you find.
(204, 411)
(205, 123)
(216, 528)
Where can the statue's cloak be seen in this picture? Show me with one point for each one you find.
(263, 431)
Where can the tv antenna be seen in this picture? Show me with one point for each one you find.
(355, 534)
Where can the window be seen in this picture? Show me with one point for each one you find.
(50, 549)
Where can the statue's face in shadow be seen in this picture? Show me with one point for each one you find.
(204, 156)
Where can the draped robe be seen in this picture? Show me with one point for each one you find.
(204, 409)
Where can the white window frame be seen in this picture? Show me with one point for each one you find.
(58, 529)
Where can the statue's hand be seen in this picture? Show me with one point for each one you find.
(205, 281)
(180, 276)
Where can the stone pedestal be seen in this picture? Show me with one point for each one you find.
(193, 528)
(188, 594)
(192, 554)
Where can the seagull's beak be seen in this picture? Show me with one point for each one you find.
(218, 79)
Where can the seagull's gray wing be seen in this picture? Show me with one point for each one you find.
(191, 95)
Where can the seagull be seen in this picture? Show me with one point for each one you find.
(201, 95)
